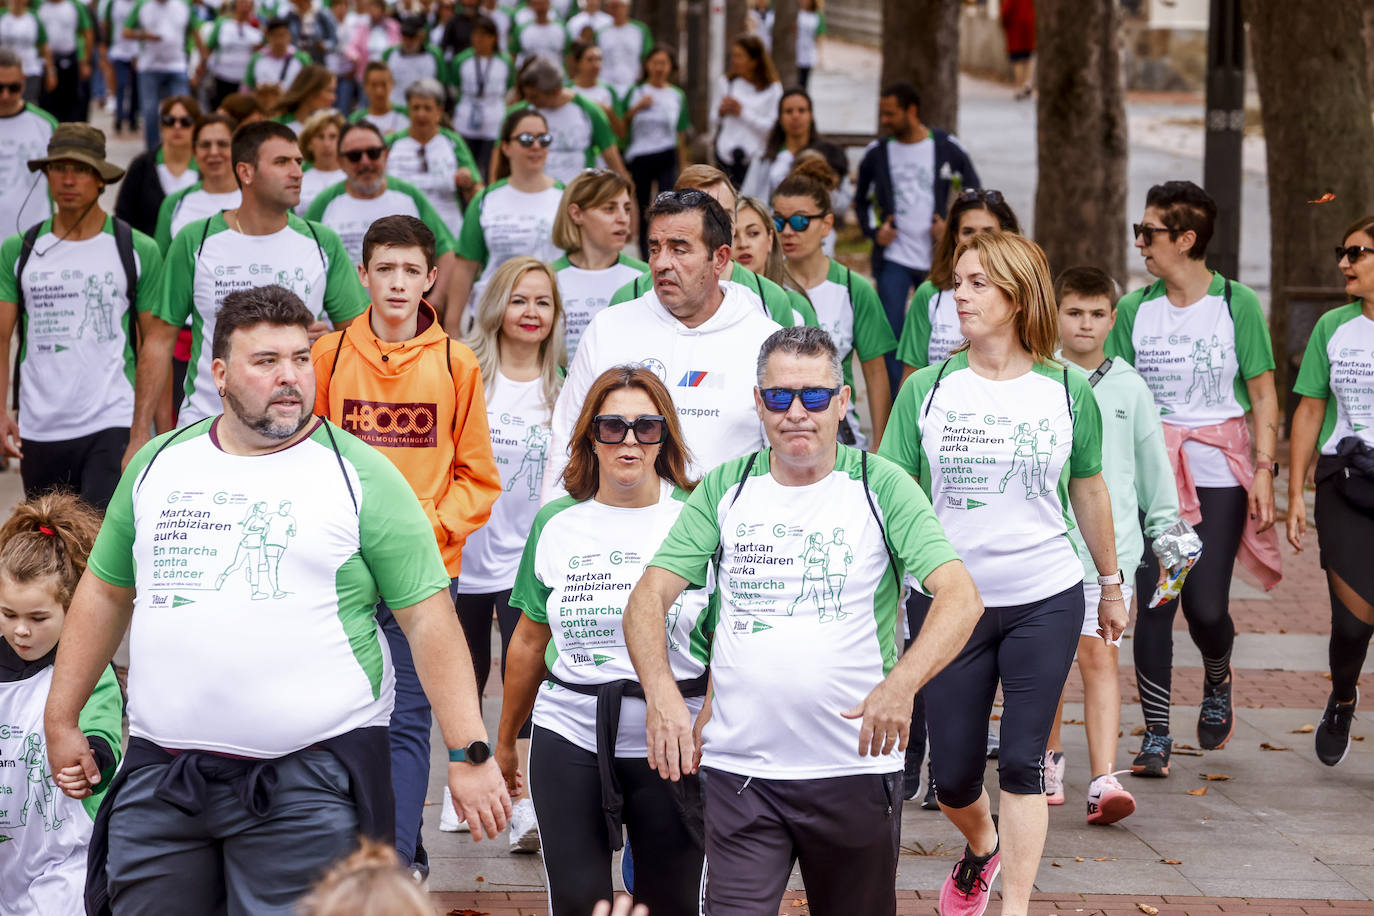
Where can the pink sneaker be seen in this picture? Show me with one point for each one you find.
(969, 887)
(1054, 778)
(1108, 802)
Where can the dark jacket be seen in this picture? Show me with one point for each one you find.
(325, 36)
(141, 194)
(874, 200)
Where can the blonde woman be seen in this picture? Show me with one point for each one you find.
(518, 340)
(593, 224)
(320, 148)
(313, 89)
(758, 248)
(1029, 443)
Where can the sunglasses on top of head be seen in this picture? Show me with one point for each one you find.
(610, 429)
(991, 197)
(527, 139)
(814, 400)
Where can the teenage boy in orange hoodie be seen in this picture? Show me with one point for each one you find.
(398, 382)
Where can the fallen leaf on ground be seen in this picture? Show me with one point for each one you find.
(1324, 199)
(1357, 737)
(1266, 746)
(1201, 790)
(1055, 865)
(1187, 752)
(460, 912)
(1147, 909)
(1103, 859)
(1073, 721)
(1307, 729)
(799, 901)
(1138, 730)
(994, 718)
(1327, 675)
(1282, 630)
(1078, 858)
(1172, 861)
(1215, 777)
(479, 878)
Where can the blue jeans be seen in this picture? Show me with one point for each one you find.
(895, 283)
(153, 87)
(125, 93)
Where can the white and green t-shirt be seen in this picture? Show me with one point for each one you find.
(265, 70)
(931, 331)
(76, 352)
(63, 23)
(519, 422)
(24, 196)
(394, 121)
(912, 166)
(581, 132)
(810, 26)
(43, 832)
(482, 86)
(623, 49)
(188, 205)
(112, 16)
(24, 35)
(848, 308)
(502, 222)
(314, 181)
(208, 261)
(808, 607)
(995, 457)
(580, 564)
(431, 167)
(1195, 360)
(655, 129)
(257, 579)
(549, 39)
(171, 22)
(407, 68)
(231, 44)
(1338, 367)
(351, 216)
(587, 292)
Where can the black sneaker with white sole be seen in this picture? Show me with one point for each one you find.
(1333, 734)
(1216, 718)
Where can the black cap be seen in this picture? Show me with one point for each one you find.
(412, 25)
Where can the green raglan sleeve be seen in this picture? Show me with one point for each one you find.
(1086, 458)
(444, 242)
(529, 593)
(173, 299)
(454, 76)
(112, 555)
(513, 42)
(1119, 341)
(320, 205)
(902, 441)
(1254, 350)
(1314, 375)
(913, 532)
(149, 270)
(163, 233)
(396, 539)
(624, 294)
(102, 717)
(250, 76)
(9, 263)
(344, 297)
(873, 335)
(684, 117)
(820, 24)
(42, 40)
(803, 312)
(134, 19)
(603, 137)
(914, 347)
(212, 40)
(695, 536)
(463, 154)
(646, 43)
(1156, 491)
(472, 244)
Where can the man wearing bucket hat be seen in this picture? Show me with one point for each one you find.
(78, 284)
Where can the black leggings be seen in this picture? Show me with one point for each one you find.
(566, 787)
(89, 466)
(1206, 605)
(1029, 648)
(652, 169)
(474, 613)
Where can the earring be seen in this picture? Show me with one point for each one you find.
(221, 392)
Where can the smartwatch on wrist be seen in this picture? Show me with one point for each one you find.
(478, 752)
(1116, 578)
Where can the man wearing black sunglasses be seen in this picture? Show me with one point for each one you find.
(698, 332)
(367, 194)
(811, 540)
(24, 133)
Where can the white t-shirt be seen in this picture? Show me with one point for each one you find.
(76, 365)
(393, 121)
(586, 292)
(519, 423)
(232, 44)
(749, 129)
(351, 216)
(199, 204)
(431, 167)
(113, 14)
(580, 564)
(23, 194)
(655, 129)
(580, 131)
(912, 166)
(169, 20)
(502, 222)
(266, 70)
(313, 182)
(62, 22)
(602, 94)
(173, 183)
(20, 35)
(810, 26)
(407, 68)
(808, 605)
(548, 40)
(482, 83)
(587, 20)
(275, 543)
(623, 49)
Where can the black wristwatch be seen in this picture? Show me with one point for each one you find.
(478, 752)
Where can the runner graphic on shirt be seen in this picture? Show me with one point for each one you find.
(1022, 460)
(98, 311)
(280, 527)
(532, 465)
(814, 587)
(1216, 354)
(294, 283)
(249, 551)
(674, 613)
(838, 556)
(41, 789)
(1044, 439)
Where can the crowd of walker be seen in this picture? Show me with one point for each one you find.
(411, 320)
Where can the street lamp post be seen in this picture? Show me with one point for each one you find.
(1221, 168)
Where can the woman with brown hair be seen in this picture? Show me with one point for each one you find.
(156, 173)
(319, 140)
(312, 90)
(748, 107)
(627, 483)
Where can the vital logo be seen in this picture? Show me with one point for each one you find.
(694, 378)
(384, 425)
(750, 626)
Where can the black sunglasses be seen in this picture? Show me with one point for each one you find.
(528, 139)
(373, 153)
(178, 121)
(991, 197)
(1351, 253)
(610, 428)
(813, 399)
(799, 222)
(1139, 230)
(16, 88)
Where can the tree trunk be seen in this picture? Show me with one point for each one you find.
(1080, 196)
(1314, 102)
(785, 40)
(921, 46)
(736, 15)
(661, 16)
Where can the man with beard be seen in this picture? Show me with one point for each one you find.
(367, 194)
(238, 249)
(249, 804)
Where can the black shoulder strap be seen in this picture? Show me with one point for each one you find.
(1068, 400)
(337, 351)
(342, 470)
(868, 495)
(205, 234)
(162, 448)
(1098, 373)
(1226, 294)
(739, 487)
(318, 247)
(25, 249)
(124, 244)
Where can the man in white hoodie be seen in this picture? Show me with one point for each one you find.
(696, 331)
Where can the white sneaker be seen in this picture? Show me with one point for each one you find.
(524, 828)
(1108, 802)
(449, 822)
(1054, 778)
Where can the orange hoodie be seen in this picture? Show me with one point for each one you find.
(428, 418)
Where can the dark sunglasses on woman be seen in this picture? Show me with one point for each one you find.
(1351, 253)
(178, 121)
(528, 139)
(610, 429)
(799, 222)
